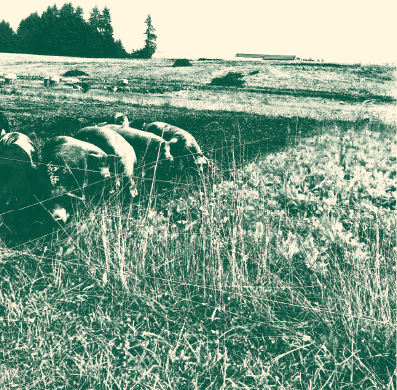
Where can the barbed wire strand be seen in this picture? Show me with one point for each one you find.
(121, 174)
(185, 186)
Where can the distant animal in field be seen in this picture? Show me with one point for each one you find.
(183, 145)
(113, 143)
(54, 80)
(10, 78)
(73, 169)
(123, 89)
(111, 88)
(149, 148)
(85, 86)
(19, 184)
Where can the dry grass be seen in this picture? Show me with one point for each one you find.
(269, 89)
(281, 276)
(274, 272)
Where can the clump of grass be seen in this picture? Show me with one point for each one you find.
(232, 79)
(75, 73)
(281, 275)
(11, 91)
(182, 62)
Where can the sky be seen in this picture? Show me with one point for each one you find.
(338, 30)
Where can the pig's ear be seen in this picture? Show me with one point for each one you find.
(3, 132)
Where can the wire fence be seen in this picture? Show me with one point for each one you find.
(121, 174)
(181, 186)
(144, 166)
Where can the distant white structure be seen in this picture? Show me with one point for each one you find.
(10, 78)
(71, 80)
(54, 80)
(268, 57)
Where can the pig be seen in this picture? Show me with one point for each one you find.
(73, 169)
(113, 143)
(19, 186)
(182, 144)
(149, 148)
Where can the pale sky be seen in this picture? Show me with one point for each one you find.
(333, 30)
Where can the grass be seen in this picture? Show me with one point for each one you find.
(323, 88)
(275, 270)
(281, 276)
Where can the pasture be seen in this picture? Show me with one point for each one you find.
(276, 270)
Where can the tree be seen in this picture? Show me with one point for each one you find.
(49, 30)
(72, 30)
(8, 38)
(106, 23)
(29, 34)
(150, 42)
(65, 32)
(93, 21)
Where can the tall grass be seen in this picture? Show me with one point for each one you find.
(282, 275)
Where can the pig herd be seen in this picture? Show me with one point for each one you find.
(96, 163)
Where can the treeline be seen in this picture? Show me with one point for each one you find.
(65, 32)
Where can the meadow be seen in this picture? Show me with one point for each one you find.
(275, 270)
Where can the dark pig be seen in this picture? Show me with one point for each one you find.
(19, 186)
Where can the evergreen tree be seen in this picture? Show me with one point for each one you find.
(106, 23)
(95, 16)
(65, 32)
(8, 38)
(49, 30)
(72, 31)
(29, 34)
(150, 42)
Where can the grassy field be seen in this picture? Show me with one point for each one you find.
(277, 270)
